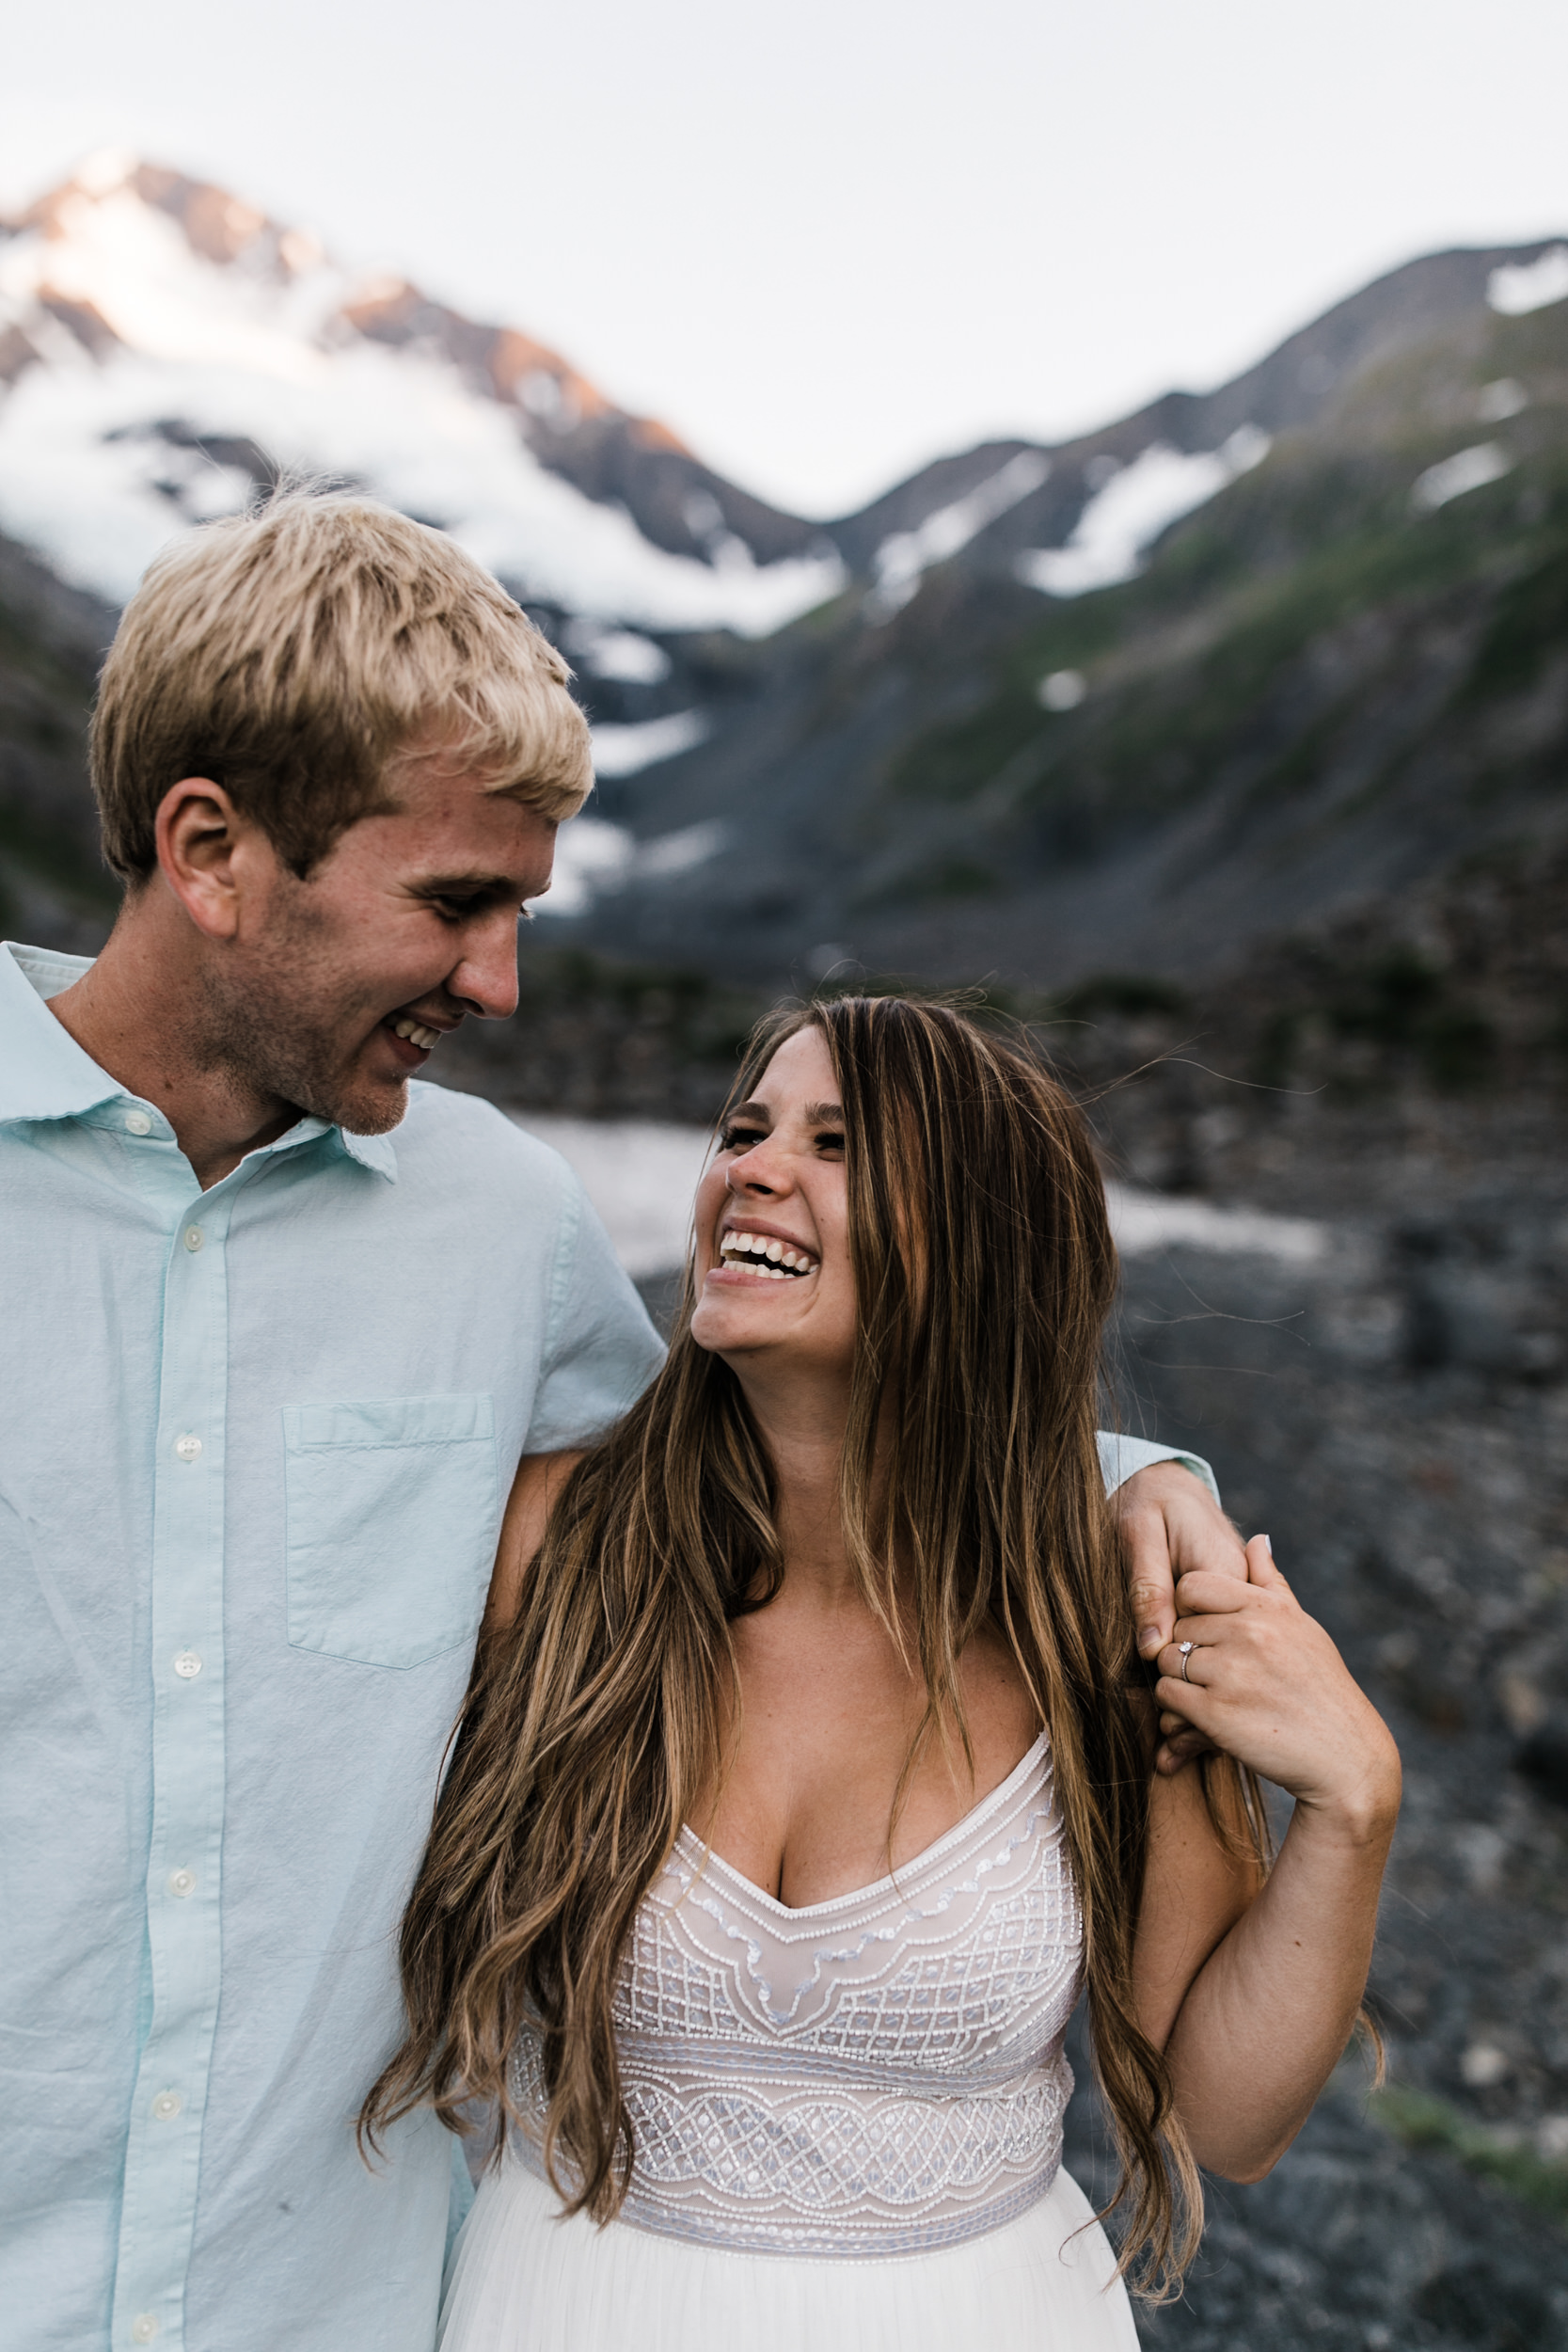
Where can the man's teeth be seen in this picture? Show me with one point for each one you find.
(414, 1032)
(780, 1262)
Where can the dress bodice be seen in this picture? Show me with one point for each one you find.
(875, 2074)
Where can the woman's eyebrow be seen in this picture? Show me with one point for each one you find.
(824, 1113)
(752, 1110)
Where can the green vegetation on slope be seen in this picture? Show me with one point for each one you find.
(1312, 633)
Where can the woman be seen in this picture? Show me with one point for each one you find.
(810, 1779)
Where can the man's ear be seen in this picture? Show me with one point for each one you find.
(202, 844)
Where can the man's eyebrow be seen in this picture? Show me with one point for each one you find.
(496, 885)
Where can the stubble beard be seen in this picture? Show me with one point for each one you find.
(288, 1030)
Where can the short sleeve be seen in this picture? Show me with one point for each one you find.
(600, 1349)
(1121, 1458)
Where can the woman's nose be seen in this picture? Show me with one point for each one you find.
(755, 1171)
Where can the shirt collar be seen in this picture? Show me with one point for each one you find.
(374, 1152)
(45, 1074)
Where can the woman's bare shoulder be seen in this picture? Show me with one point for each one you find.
(536, 1491)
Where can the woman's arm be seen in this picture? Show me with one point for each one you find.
(535, 1492)
(1254, 2000)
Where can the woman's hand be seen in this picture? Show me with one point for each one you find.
(1254, 2023)
(1265, 1683)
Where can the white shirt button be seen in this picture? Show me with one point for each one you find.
(187, 1664)
(187, 1447)
(138, 1123)
(193, 1238)
(182, 1883)
(144, 2327)
(166, 2106)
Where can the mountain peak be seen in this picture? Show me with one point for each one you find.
(165, 345)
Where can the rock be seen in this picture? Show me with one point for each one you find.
(1542, 1758)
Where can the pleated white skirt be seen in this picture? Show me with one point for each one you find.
(526, 2279)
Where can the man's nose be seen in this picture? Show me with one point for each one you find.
(486, 979)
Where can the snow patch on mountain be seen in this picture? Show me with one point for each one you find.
(625, 751)
(134, 360)
(621, 654)
(87, 475)
(681, 852)
(593, 859)
(590, 856)
(1501, 398)
(1521, 286)
(1144, 1223)
(903, 558)
(1466, 469)
(135, 267)
(1135, 505)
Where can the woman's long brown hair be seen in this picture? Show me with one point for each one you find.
(983, 1273)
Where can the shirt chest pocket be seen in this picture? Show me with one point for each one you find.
(393, 1511)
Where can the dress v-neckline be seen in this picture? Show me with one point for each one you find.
(891, 1878)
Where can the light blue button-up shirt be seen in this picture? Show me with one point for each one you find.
(254, 1446)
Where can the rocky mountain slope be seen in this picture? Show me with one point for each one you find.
(1346, 667)
(53, 886)
(1123, 703)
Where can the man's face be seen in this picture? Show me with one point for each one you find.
(337, 988)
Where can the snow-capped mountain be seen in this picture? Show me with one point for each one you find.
(164, 345)
(1125, 702)
(1034, 666)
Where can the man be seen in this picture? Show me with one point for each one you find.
(279, 1330)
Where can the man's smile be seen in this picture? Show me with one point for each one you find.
(412, 1032)
(415, 1037)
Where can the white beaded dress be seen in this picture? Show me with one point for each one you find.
(846, 2117)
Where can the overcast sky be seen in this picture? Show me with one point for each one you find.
(825, 243)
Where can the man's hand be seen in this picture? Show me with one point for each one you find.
(1171, 1526)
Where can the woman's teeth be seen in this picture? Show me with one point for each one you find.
(780, 1262)
(414, 1032)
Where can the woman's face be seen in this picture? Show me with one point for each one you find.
(774, 1272)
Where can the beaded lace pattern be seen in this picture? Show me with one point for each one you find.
(880, 2074)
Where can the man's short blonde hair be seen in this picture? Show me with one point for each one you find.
(294, 654)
